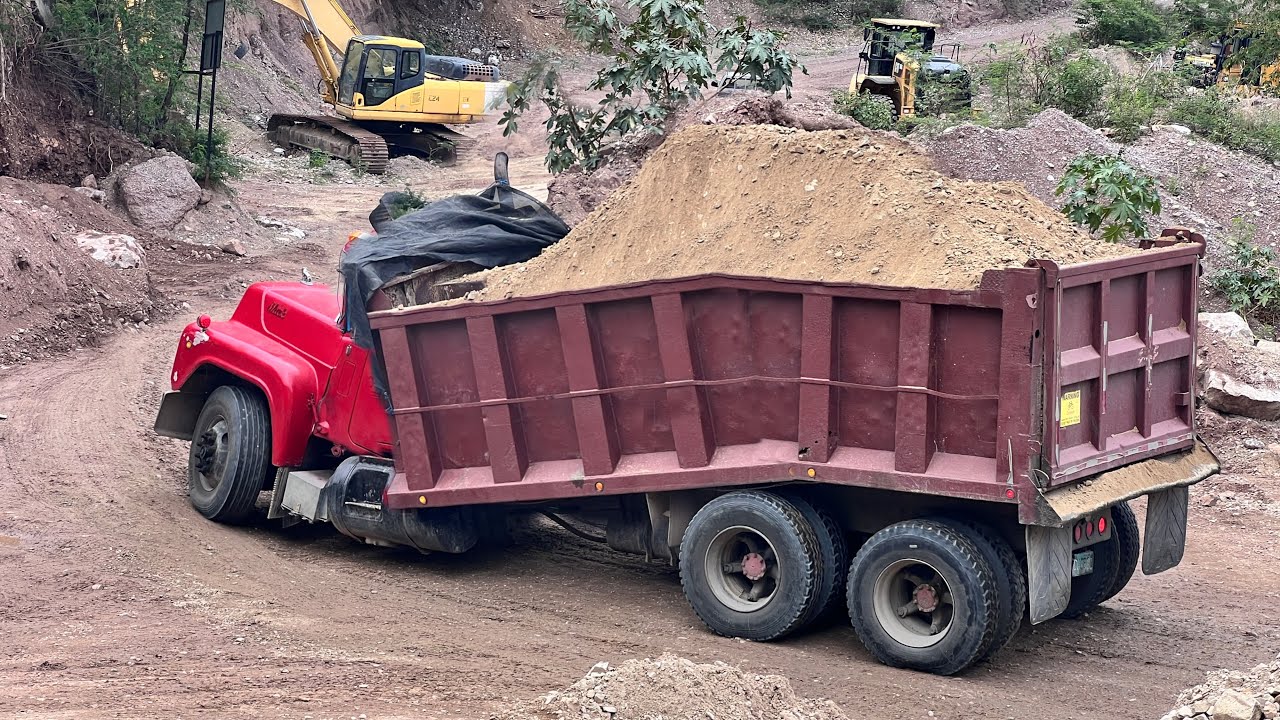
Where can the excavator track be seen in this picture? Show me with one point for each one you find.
(332, 136)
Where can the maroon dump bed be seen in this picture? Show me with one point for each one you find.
(1041, 376)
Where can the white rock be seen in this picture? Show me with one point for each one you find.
(1179, 129)
(115, 250)
(1235, 705)
(1227, 324)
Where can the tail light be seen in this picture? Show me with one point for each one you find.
(1102, 526)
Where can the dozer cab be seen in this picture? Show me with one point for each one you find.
(890, 65)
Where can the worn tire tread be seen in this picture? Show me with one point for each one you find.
(795, 522)
(983, 587)
(254, 461)
(1124, 528)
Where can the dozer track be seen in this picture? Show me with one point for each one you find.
(332, 136)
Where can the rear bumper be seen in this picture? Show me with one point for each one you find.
(1064, 505)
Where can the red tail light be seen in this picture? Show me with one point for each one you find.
(1088, 529)
(1079, 532)
(1102, 525)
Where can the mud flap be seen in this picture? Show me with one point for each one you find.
(178, 414)
(1166, 536)
(1048, 571)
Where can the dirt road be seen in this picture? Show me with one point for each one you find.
(118, 601)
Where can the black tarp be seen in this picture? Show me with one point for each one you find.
(500, 226)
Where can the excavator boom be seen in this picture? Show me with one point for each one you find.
(328, 32)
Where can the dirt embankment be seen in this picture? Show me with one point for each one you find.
(838, 206)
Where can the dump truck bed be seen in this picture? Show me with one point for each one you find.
(1039, 377)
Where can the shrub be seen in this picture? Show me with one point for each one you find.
(1248, 279)
(1077, 86)
(1106, 195)
(658, 62)
(1133, 23)
(317, 159)
(1134, 102)
(1216, 117)
(873, 111)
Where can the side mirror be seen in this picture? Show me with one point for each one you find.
(863, 56)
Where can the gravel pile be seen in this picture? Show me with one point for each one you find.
(1231, 695)
(672, 688)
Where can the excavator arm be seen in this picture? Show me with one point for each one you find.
(328, 30)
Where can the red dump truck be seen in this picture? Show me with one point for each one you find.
(938, 462)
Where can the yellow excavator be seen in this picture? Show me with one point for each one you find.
(388, 93)
(1216, 71)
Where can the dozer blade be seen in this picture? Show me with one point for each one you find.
(332, 136)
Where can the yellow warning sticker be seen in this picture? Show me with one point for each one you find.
(1070, 409)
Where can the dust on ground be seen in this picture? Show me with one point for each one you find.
(837, 206)
(673, 688)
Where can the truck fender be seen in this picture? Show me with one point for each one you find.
(287, 381)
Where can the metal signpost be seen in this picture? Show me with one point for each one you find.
(215, 13)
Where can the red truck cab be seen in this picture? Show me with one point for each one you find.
(284, 343)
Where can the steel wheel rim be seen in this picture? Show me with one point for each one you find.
(213, 449)
(899, 594)
(732, 570)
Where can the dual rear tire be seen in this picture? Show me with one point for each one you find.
(934, 595)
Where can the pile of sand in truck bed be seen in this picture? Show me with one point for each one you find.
(836, 206)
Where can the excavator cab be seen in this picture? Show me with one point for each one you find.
(374, 71)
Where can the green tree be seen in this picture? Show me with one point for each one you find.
(659, 62)
(1105, 194)
(1135, 23)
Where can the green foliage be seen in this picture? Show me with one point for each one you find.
(317, 159)
(192, 144)
(405, 202)
(872, 111)
(1024, 81)
(1133, 101)
(659, 62)
(125, 57)
(1248, 278)
(1130, 23)
(1215, 116)
(1204, 18)
(1106, 195)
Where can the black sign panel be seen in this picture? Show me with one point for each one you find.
(215, 14)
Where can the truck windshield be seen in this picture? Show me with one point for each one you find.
(350, 73)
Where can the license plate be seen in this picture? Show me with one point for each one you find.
(1082, 563)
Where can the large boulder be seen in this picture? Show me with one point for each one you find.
(1235, 705)
(1225, 393)
(159, 192)
(1227, 324)
(1237, 376)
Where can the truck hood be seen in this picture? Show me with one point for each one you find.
(297, 315)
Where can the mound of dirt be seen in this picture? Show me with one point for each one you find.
(837, 205)
(575, 193)
(673, 688)
(1231, 695)
(56, 296)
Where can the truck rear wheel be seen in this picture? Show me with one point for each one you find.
(1088, 591)
(1124, 530)
(1011, 582)
(835, 559)
(922, 596)
(230, 454)
(751, 566)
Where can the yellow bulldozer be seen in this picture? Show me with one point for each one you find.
(895, 53)
(388, 93)
(1215, 70)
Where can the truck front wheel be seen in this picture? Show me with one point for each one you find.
(922, 596)
(751, 566)
(230, 454)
